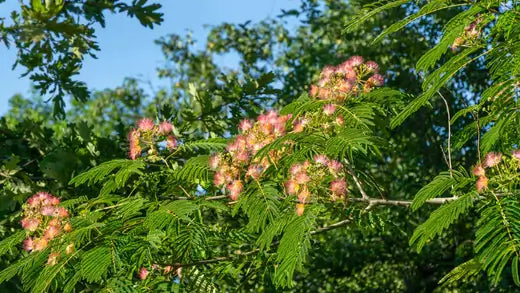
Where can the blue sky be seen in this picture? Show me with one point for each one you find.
(128, 49)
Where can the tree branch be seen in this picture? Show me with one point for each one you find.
(404, 203)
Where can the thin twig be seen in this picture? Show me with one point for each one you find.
(449, 133)
(356, 179)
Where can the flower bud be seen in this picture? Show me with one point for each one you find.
(143, 273)
(482, 183)
(300, 208)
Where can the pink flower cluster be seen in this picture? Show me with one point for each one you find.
(491, 160)
(147, 135)
(471, 32)
(238, 159)
(348, 79)
(144, 272)
(44, 220)
(306, 179)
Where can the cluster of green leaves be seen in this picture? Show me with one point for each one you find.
(52, 37)
(492, 124)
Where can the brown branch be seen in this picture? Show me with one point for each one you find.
(371, 201)
(404, 203)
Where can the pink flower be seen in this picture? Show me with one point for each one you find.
(218, 179)
(472, 30)
(54, 222)
(335, 166)
(135, 148)
(51, 232)
(67, 227)
(28, 244)
(304, 194)
(245, 125)
(235, 188)
(54, 200)
(143, 273)
(478, 170)
(299, 124)
(492, 159)
(302, 178)
(241, 157)
(457, 43)
(516, 154)
(350, 75)
(165, 128)
(327, 71)
(356, 61)
(343, 67)
(171, 142)
(482, 183)
(372, 66)
(53, 258)
(300, 208)
(339, 120)
(339, 187)
(39, 244)
(254, 171)
(214, 161)
(279, 129)
(323, 93)
(30, 224)
(32, 202)
(321, 159)
(344, 87)
(48, 210)
(61, 212)
(145, 124)
(291, 186)
(367, 87)
(134, 152)
(376, 80)
(313, 91)
(168, 269)
(329, 109)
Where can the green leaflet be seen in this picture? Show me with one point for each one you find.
(261, 205)
(440, 219)
(195, 170)
(463, 272)
(440, 184)
(95, 263)
(371, 10)
(429, 8)
(293, 249)
(497, 240)
(99, 173)
(11, 241)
